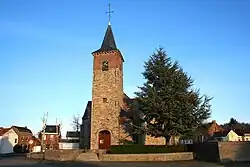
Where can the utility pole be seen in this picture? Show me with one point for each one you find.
(44, 122)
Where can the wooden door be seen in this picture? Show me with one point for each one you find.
(104, 139)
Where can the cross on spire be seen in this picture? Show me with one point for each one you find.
(109, 13)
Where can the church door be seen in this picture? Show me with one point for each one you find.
(104, 139)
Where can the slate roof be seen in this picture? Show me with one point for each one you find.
(125, 96)
(72, 134)
(108, 43)
(220, 134)
(52, 129)
(246, 131)
(239, 132)
(17, 129)
(22, 129)
(87, 112)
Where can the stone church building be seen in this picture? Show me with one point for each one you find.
(108, 117)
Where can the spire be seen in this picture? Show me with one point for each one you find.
(109, 40)
(108, 43)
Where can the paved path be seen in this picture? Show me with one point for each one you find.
(21, 161)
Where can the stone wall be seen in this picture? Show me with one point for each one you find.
(222, 151)
(35, 155)
(56, 155)
(234, 151)
(148, 157)
(72, 155)
(62, 155)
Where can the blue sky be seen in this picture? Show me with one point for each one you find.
(46, 61)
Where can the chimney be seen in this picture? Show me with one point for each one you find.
(213, 121)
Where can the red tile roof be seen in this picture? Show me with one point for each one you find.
(4, 130)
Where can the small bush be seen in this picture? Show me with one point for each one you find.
(144, 149)
(17, 148)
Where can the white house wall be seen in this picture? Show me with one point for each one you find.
(247, 137)
(232, 136)
(1, 137)
(8, 141)
(69, 146)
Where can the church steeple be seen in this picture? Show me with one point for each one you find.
(107, 94)
(109, 40)
(108, 43)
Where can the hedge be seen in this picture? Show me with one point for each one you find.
(17, 149)
(144, 149)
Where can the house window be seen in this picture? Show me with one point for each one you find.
(15, 141)
(105, 65)
(247, 139)
(104, 100)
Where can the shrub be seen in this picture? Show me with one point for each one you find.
(144, 149)
(17, 148)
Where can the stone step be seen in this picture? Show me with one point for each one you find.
(87, 157)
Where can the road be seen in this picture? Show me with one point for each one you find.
(21, 161)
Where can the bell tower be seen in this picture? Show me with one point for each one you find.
(107, 93)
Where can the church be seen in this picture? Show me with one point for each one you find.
(108, 117)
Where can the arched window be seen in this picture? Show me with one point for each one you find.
(105, 65)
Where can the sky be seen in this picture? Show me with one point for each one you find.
(46, 62)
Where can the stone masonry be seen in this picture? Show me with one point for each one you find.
(106, 84)
(108, 109)
(149, 140)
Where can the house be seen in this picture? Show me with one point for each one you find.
(70, 144)
(231, 135)
(72, 141)
(52, 135)
(214, 127)
(206, 131)
(72, 135)
(35, 144)
(24, 135)
(9, 137)
(108, 115)
(202, 133)
(247, 135)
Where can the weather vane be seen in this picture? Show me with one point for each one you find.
(109, 13)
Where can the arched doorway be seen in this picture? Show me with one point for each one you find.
(104, 139)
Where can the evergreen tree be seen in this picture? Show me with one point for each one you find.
(233, 123)
(168, 104)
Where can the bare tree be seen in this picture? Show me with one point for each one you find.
(76, 122)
